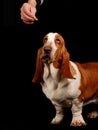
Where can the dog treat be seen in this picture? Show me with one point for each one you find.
(36, 18)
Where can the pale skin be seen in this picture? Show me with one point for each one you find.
(28, 12)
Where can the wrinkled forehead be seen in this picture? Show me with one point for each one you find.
(54, 39)
(51, 36)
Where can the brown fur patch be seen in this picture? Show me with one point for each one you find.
(89, 80)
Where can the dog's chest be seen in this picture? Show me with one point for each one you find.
(57, 89)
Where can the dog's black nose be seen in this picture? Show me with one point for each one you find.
(47, 49)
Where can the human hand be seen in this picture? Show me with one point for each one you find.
(28, 12)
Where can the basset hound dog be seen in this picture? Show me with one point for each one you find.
(64, 82)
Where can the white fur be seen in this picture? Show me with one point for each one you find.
(63, 92)
(51, 38)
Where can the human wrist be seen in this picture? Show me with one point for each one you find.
(33, 3)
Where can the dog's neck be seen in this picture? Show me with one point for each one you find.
(51, 71)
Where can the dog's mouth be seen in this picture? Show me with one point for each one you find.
(46, 58)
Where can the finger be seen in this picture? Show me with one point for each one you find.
(26, 17)
(29, 12)
(28, 22)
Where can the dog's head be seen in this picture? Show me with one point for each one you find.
(53, 51)
(53, 45)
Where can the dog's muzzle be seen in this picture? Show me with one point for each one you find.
(46, 54)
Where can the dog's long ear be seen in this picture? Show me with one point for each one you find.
(66, 68)
(39, 68)
(62, 62)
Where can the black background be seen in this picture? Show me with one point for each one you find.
(23, 105)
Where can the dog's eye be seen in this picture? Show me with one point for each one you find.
(57, 41)
(45, 40)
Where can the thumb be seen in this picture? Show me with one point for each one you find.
(33, 12)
